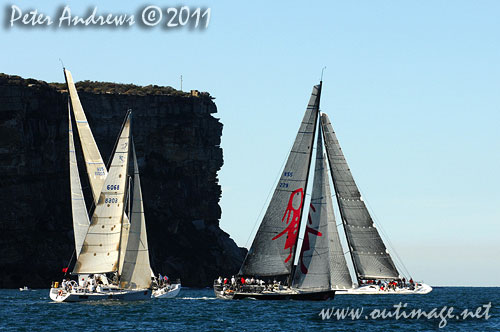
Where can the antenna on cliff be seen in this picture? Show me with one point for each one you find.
(62, 63)
(181, 82)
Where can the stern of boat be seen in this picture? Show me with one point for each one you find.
(167, 292)
(58, 294)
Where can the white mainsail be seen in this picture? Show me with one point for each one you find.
(136, 267)
(96, 169)
(101, 248)
(78, 208)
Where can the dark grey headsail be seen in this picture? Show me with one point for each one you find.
(273, 249)
(322, 264)
(370, 256)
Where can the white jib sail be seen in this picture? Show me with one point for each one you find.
(136, 268)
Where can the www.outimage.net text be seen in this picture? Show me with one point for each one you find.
(400, 311)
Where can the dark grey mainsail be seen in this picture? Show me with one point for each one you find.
(273, 249)
(370, 256)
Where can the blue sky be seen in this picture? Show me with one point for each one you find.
(412, 89)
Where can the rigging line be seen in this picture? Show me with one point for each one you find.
(70, 260)
(273, 187)
(379, 225)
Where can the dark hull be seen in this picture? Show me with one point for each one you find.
(312, 296)
(300, 296)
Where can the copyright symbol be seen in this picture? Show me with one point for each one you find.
(151, 15)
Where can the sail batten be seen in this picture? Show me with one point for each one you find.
(273, 249)
(369, 253)
(101, 248)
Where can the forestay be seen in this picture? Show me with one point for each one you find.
(370, 257)
(273, 248)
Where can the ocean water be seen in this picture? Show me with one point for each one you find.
(199, 310)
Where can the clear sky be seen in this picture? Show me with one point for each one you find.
(412, 89)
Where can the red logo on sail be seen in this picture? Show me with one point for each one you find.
(292, 215)
(306, 245)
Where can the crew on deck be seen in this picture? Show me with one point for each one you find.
(249, 284)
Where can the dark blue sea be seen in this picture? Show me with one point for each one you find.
(199, 310)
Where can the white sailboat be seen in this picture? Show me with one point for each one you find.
(134, 270)
(101, 248)
(374, 268)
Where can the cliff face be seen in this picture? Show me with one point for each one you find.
(177, 141)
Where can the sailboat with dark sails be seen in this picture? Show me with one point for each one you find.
(274, 247)
(322, 269)
(374, 267)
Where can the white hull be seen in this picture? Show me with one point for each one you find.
(60, 295)
(375, 290)
(167, 292)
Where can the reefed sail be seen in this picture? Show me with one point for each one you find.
(101, 248)
(272, 251)
(370, 257)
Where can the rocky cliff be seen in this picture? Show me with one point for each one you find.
(178, 147)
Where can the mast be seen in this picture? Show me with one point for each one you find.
(128, 118)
